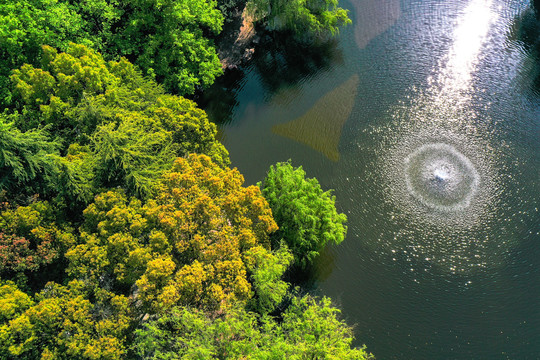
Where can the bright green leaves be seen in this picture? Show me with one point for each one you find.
(33, 85)
(128, 155)
(267, 270)
(191, 334)
(307, 216)
(100, 18)
(25, 25)
(310, 329)
(52, 91)
(304, 18)
(166, 39)
(190, 127)
(179, 239)
(75, 180)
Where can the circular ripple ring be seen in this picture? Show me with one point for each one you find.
(441, 177)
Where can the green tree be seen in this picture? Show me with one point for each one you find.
(267, 269)
(118, 128)
(49, 94)
(314, 17)
(307, 216)
(27, 159)
(62, 324)
(77, 91)
(25, 25)
(169, 39)
(203, 241)
(310, 329)
(75, 183)
(131, 155)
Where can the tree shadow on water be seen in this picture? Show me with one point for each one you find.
(220, 99)
(282, 61)
(320, 270)
(279, 61)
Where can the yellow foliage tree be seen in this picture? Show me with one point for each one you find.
(200, 242)
(211, 221)
(62, 324)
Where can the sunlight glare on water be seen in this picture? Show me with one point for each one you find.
(468, 38)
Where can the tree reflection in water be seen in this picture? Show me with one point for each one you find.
(280, 61)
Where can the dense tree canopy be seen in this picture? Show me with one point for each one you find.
(203, 241)
(116, 127)
(169, 40)
(310, 329)
(25, 25)
(307, 216)
(31, 241)
(123, 232)
(27, 159)
(61, 323)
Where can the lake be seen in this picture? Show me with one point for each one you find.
(424, 117)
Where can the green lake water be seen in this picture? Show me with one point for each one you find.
(424, 117)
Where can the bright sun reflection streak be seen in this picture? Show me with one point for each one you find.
(469, 36)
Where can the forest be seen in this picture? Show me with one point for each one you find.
(124, 231)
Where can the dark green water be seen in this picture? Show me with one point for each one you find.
(424, 116)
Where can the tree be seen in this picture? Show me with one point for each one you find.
(131, 155)
(186, 333)
(307, 216)
(13, 301)
(30, 242)
(112, 253)
(49, 94)
(310, 329)
(316, 17)
(267, 269)
(62, 324)
(25, 25)
(212, 222)
(168, 40)
(77, 91)
(118, 128)
(203, 241)
(27, 159)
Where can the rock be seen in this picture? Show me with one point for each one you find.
(248, 54)
(236, 49)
